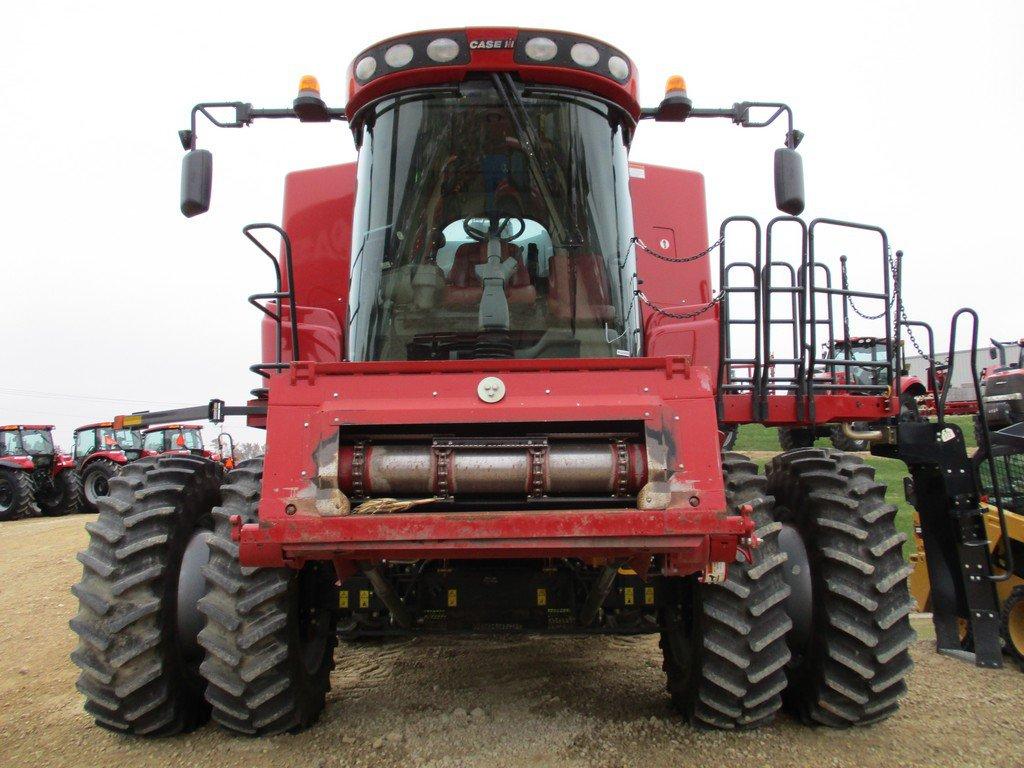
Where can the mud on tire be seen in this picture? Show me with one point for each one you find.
(851, 669)
(269, 637)
(135, 677)
(724, 644)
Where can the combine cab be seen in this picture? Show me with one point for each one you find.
(100, 451)
(495, 384)
(34, 478)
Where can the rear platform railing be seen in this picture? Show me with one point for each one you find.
(797, 306)
(738, 373)
(782, 278)
(845, 295)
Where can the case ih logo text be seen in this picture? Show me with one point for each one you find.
(491, 44)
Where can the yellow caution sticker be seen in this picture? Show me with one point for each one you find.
(364, 598)
(453, 598)
(343, 599)
(648, 595)
(542, 596)
(627, 596)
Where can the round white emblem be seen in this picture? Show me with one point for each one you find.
(491, 389)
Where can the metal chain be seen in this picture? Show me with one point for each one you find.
(894, 267)
(681, 315)
(637, 242)
(895, 271)
(846, 283)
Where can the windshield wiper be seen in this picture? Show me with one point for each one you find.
(531, 146)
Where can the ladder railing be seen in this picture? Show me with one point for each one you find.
(276, 299)
(846, 295)
(782, 278)
(738, 373)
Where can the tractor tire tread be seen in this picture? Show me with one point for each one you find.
(735, 678)
(131, 676)
(852, 672)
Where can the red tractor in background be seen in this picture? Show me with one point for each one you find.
(100, 451)
(34, 478)
(867, 349)
(494, 378)
(1003, 387)
(183, 439)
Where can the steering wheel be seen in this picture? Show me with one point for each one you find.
(497, 225)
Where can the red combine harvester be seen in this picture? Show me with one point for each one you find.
(99, 452)
(34, 478)
(495, 374)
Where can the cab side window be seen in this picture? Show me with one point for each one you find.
(85, 443)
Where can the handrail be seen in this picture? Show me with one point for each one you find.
(277, 295)
(986, 440)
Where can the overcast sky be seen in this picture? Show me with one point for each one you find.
(113, 302)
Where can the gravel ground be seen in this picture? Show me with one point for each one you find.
(509, 701)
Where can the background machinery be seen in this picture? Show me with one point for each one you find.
(1002, 402)
(184, 439)
(494, 377)
(34, 478)
(99, 452)
(859, 348)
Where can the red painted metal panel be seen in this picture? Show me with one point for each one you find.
(311, 403)
(670, 218)
(318, 219)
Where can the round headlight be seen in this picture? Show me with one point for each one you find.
(585, 54)
(618, 67)
(366, 67)
(442, 50)
(398, 55)
(541, 48)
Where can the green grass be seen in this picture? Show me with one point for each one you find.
(758, 439)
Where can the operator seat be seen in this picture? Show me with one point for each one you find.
(593, 296)
(463, 286)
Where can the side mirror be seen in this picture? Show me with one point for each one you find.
(789, 181)
(197, 181)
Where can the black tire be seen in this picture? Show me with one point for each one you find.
(850, 668)
(1011, 625)
(65, 497)
(796, 437)
(269, 633)
(724, 645)
(843, 443)
(17, 495)
(136, 677)
(96, 480)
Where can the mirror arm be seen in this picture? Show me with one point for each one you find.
(245, 113)
(739, 113)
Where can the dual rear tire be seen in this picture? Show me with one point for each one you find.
(817, 622)
(158, 650)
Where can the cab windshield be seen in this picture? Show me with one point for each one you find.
(124, 439)
(492, 221)
(37, 442)
(129, 439)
